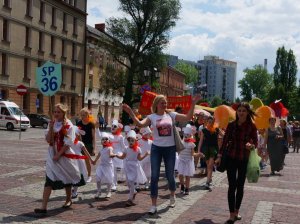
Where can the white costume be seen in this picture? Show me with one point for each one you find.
(65, 170)
(145, 145)
(186, 166)
(81, 162)
(132, 168)
(105, 169)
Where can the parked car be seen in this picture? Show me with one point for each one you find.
(12, 117)
(38, 120)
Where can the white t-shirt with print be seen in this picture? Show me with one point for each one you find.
(162, 129)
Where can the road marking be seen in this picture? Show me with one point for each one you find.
(263, 212)
(166, 215)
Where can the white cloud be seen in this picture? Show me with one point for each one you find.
(245, 31)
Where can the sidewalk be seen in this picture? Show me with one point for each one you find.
(274, 199)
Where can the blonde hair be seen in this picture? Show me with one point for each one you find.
(156, 101)
(85, 111)
(63, 108)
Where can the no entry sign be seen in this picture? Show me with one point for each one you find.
(21, 90)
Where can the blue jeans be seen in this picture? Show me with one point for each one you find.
(169, 156)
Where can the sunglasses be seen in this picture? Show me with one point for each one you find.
(104, 139)
(114, 126)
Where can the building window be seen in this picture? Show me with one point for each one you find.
(63, 49)
(29, 8)
(75, 31)
(41, 42)
(73, 79)
(42, 12)
(52, 50)
(75, 3)
(74, 52)
(26, 70)
(71, 2)
(40, 63)
(63, 99)
(5, 31)
(4, 70)
(73, 105)
(63, 76)
(28, 38)
(53, 23)
(65, 22)
(7, 4)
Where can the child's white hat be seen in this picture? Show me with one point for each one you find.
(78, 131)
(107, 135)
(145, 130)
(116, 123)
(189, 129)
(127, 128)
(131, 134)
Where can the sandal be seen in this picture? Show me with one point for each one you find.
(67, 204)
(40, 211)
(129, 203)
(237, 217)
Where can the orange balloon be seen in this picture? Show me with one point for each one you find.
(223, 115)
(263, 115)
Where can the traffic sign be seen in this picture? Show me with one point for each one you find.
(21, 90)
(48, 78)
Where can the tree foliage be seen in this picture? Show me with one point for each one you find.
(285, 75)
(140, 36)
(216, 101)
(191, 73)
(256, 82)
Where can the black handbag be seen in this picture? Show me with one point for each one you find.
(224, 160)
(285, 147)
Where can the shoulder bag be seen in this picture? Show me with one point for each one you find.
(178, 142)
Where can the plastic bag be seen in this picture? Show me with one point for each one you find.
(253, 169)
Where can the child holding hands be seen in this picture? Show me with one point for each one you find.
(132, 168)
(186, 167)
(105, 170)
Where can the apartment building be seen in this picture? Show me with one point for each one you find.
(100, 97)
(36, 31)
(219, 77)
(172, 82)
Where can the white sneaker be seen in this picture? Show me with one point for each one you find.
(108, 195)
(172, 201)
(97, 195)
(89, 180)
(114, 188)
(152, 210)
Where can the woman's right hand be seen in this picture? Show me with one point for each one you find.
(218, 161)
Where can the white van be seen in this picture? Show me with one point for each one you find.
(10, 116)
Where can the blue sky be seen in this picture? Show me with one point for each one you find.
(245, 31)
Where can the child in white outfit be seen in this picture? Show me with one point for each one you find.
(81, 153)
(145, 144)
(118, 145)
(132, 168)
(186, 166)
(105, 169)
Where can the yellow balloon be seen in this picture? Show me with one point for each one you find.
(256, 103)
(263, 115)
(223, 115)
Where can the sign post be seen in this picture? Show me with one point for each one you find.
(48, 79)
(21, 90)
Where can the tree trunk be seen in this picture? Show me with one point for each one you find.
(128, 96)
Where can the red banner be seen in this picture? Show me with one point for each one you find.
(173, 101)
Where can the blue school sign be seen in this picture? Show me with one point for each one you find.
(48, 78)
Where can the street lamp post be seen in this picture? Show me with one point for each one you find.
(152, 73)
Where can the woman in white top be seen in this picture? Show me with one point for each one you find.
(163, 146)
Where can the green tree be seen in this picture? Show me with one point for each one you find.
(216, 101)
(140, 36)
(256, 82)
(191, 73)
(285, 73)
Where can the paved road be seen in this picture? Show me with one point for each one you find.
(274, 199)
